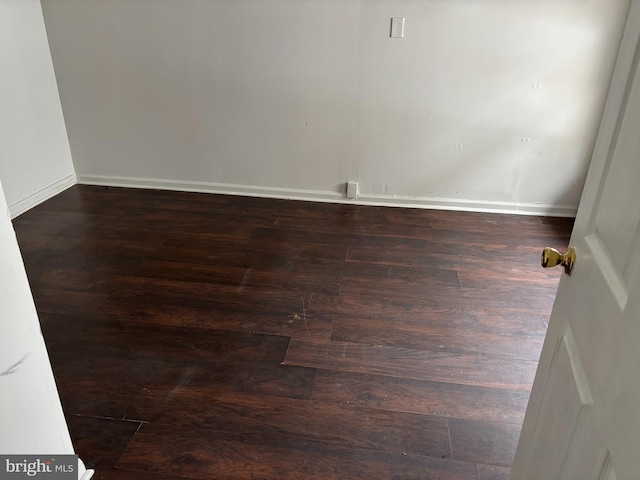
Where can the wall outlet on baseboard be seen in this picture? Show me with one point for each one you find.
(353, 189)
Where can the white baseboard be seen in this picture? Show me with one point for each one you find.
(40, 196)
(484, 206)
(332, 196)
(211, 187)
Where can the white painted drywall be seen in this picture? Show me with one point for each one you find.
(484, 102)
(31, 418)
(35, 159)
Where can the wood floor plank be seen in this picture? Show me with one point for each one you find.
(190, 272)
(194, 245)
(100, 441)
(355, 225)
(540, 284)
(342, 214)
(142, 365)
(301, 323)
(485, 371)
(505, 260)
(513, 279)
(361, 238)
(82, 261)
(144, 398)
(121, 399)
(286, 301)
(120, 474)
(483, 441)
(437, 336)
(419, 396)
(397, 278)
(354, 300)
(214, 252)
(353, 426)
(168, 341)
(136, 399)
(212, 454)
(95, 199)
(493, 472)
(533, 237)
(67, 278)
(40, 240)
(51, 300)
(443, 219)
(446, 309)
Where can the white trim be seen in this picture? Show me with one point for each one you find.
(332, 197)
(21, 206)
(465, 205)
(211, 187)
(87, 474)
(83, 472)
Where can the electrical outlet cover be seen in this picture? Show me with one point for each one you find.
(352, 189)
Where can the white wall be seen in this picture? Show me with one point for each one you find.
(31, 418)
(484, 103)
(35, 160)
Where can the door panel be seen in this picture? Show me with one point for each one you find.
(615, 225)
(572, 399)
(583, 417)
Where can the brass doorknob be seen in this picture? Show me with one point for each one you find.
(552, 257)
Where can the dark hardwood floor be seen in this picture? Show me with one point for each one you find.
(220, 337)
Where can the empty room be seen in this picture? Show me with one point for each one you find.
(319, 239)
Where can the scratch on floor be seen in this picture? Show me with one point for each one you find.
(245, 278)
(343, 357)
(304, 314)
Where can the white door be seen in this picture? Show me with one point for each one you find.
(583, 418)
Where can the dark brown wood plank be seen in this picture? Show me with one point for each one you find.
(142, 365)
(482, 441)
(472, 221)
(455, 313)
(353, 225)
(52, 300)
(213, 454)
(166, 341)
(480, 370)
(438, 336)
(535, 283)
(189, 272)
(419, 396)
(361, 238)
(301, 323)
(491, 259)
(134, 399)
(353, 426)
(354, 300)
(100, 441)
(120, 474)
(493, 472)
(397, 278)
(208, 245)
(276, 298)
(94, 199)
